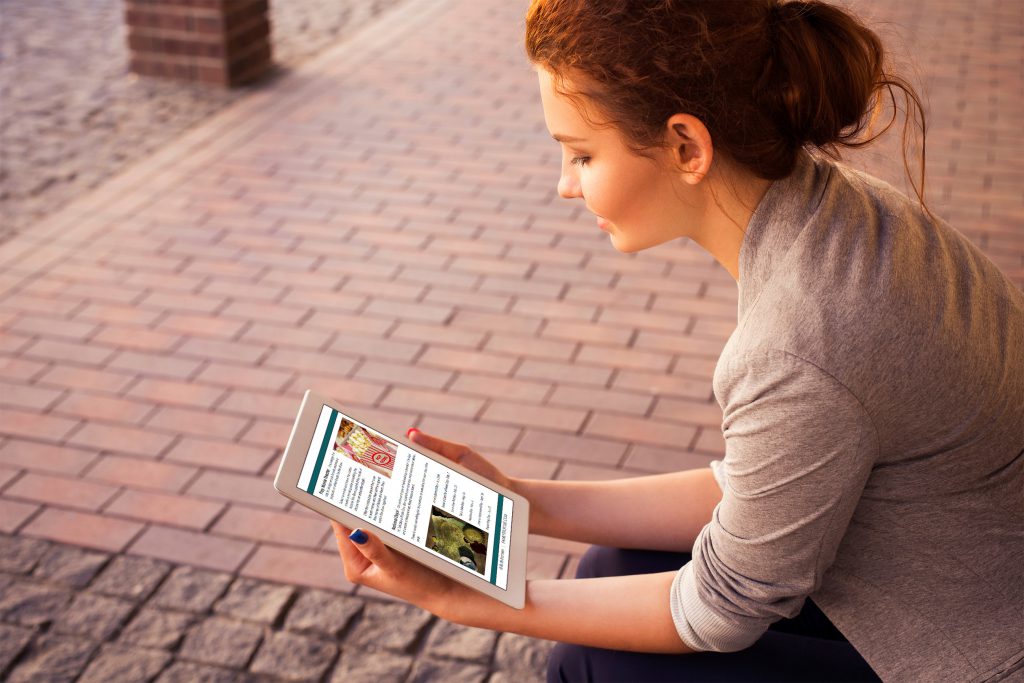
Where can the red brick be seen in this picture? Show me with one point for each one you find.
(374, 348)
(238, 488)
(499, 387)
(157, 507)
(640, 430)
(710, 441)
(555, 310)
(300, 360)
(260, 404)
(14, 422)
(202, 325)
(611, 335)
(176, 393)
(71, 376)
(270, 434)
(7, 474)
(588, 375)
(480, 435)
(700, 413)
(44, 457)
(286, 335)
(15, 343)
(121, 439)
(419, 400)
(250, 377)
(92, 406)
(191, 548)
(235, 352)
(562, 446)
(659, 383)
(531, 347)
(174, 302)
(84, 354)
(600, 399)
(531, 415)
(198, 423)
(263, 312)
(82, 528)
(679, 344)
(155, 365)
(345, 391)
(281, 528)
(21, 369)
(490, 322)
(382, 373)
(137, 338)
(221, 454)
(474, 361)
(61, 491)
(139, 473)
(656, 459)
(470, 300)
(57, 328)
(293, 566)
(635, 359)
(21, 395)
(608, 296)
(354, 323)
(13, 514)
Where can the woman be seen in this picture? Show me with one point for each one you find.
(867, 517)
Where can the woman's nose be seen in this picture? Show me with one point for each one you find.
(569, 186)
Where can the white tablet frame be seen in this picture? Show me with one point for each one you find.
(286, 483)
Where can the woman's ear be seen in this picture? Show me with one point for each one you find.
(690, 142)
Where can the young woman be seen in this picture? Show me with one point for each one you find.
(868, 516)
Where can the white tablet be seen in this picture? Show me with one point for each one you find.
(420, 504)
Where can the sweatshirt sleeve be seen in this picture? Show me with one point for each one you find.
(798, 451)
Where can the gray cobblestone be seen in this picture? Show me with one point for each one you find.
(32, 604)
(131, 577)
(53, 659)
(293, 657)
(461, 642)
(70, 566)
(188, 672)
(449, 671)
(160, 628)
(94, 616)
(191, 589)
(254, 600)
(124, 665)
(394, 626)
(522, 655)
(221, 641)
(320, 611)
(13, 640)
(368, 666)
(19, 554)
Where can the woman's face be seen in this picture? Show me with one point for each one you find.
(638, 201)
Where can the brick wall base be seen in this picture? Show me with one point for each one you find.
(217, 42)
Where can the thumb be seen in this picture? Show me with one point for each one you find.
(450, 450)
(374, 550)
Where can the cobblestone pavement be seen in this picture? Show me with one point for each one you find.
(71, 115)
(68, 613)
(381, 225)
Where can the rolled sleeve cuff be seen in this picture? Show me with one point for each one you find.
(700, 628)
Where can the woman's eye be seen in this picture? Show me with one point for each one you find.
(580, 161)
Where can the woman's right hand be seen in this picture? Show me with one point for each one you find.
(463, 455)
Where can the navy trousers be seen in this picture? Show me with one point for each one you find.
(807, 647)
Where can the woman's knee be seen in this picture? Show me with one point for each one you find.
(566, 664)
(595, 562)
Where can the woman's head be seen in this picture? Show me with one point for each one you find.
(765, 77)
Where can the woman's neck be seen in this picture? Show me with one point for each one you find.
(730, 201)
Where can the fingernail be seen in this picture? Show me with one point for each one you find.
(358, 536)
(412, 430)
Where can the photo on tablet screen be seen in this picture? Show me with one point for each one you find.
(366, 447)
(457, 539)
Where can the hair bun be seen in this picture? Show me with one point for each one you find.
(823, 70)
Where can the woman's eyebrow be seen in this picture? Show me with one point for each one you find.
(566, 138)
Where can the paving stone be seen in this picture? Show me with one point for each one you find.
(461, 642)
(368, 666)
(131, 577)
(191, 589)
(70, 566)
(395, 626)
(124, 665)
(32, 604)
(221, 641)
(188, 672)
(293, 657)
(449, 671)
(159, 628)
(13, 640)
(518, 654)
(92, 615)
(19, 554)
(54, 659)
(324, 612)
(254, 600)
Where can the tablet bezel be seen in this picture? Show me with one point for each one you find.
(286, 483)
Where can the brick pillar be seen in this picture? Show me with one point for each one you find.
(219, 42)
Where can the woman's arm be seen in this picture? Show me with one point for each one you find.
(657, 512)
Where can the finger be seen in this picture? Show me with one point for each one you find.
(453, 451)
(355, 562)
(374, 550)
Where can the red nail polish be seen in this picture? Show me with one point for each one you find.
(411, 431)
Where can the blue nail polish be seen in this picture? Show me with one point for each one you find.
(358, 536)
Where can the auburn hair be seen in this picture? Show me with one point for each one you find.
(766, 77)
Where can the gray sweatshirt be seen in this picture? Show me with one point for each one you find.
(873, 414)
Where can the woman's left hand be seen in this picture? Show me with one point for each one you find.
(377, 566)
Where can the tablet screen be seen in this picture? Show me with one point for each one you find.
(414, 497)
